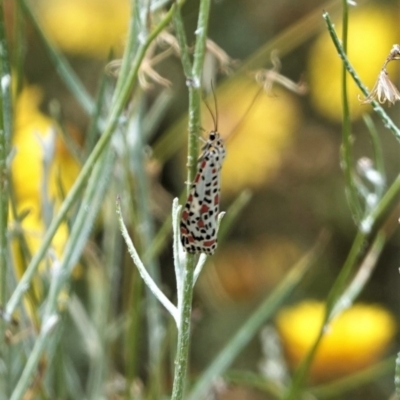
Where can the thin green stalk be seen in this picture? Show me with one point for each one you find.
(383, 209)
(376, 148)
(194, 83)
(51, 323)
(131, 46)
(119, 101)
(346, 154)
(181, 37)
(356, 252)
(156, 329)
(60, 63)
(195, 94)
(148, 280)
(387, 121)
(62, 270)
(354, 257)
(289, 39)
(194, 99)
(93, 131)
(253, 380)
(363, 275)
(19, 48)
(233, 213)
(337, 388)
(140, 18)
(182, 351)
(200, 46)
(367, 237)
(250, 327)
(334, 389)
(5, 139)
(373, 239)
(397, 375)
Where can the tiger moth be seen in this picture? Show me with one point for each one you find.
(198, 225)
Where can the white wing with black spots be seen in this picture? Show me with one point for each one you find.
(200, 214)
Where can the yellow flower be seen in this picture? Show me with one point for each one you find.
(86, 27)
(33, 139)
(372, 32)
(354, 340)
(255, 140)
(32, 131)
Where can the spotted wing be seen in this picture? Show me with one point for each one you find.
(199, 217)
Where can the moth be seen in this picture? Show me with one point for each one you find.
(198, 224)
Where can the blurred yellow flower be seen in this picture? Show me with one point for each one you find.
(254, 140)
(86, 27)
(354, 340)
(372, 33)
(33, 131)
(33, 140)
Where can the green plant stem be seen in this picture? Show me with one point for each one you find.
(334, 389)
(253, 380)
(60, 63)
(5, 139)
(397, 375)
(363, 241)
(373, 239)
(182, 351)
(367, 237)
(383, 209)
(387, 121)
(249, 328)
(62, 270)
(119, 101)
(156, 329)
(195, 90)
(131, 45)
(194, 83)
(376, 146)
(360, 245)
(346, 156)
(289, 39)
(337, 388)
(181, 37)
(363, 275)
(19, 46)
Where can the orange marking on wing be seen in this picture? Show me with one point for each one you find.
(204, 208)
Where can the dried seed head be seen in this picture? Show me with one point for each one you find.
(225, 63)
(384, 90)
(394, 53)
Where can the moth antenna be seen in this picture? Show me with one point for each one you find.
(214, 118)
(215, 106)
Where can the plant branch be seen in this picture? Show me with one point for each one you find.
(119, 101)
(194, 83)
(148, 280)
(346, 154)
(387, 121)
(5, 139)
